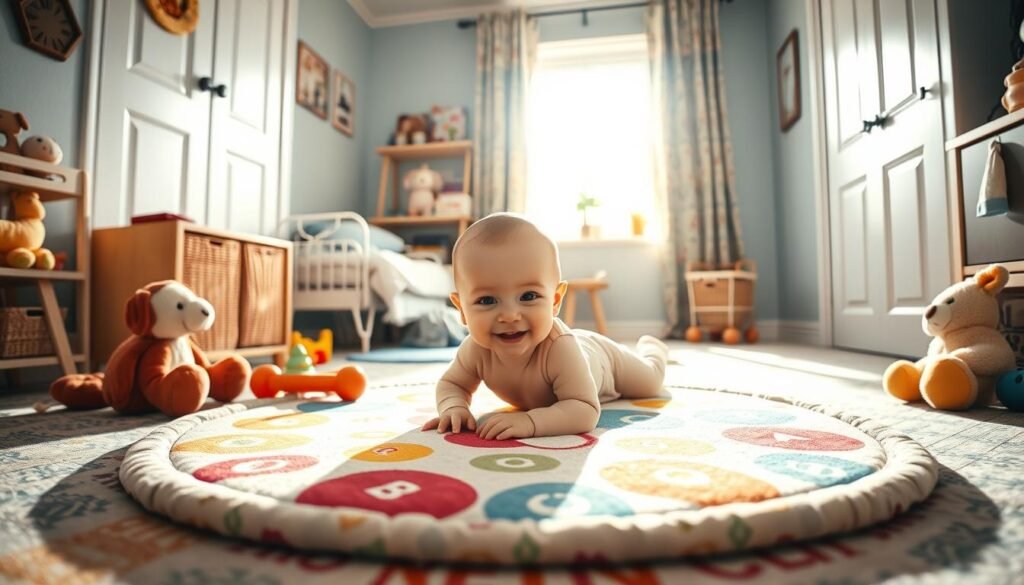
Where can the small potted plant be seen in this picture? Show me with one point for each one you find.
(588, 232)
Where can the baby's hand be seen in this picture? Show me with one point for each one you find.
(453, 417)
(507, 425)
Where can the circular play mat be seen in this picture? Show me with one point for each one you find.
(703, 472)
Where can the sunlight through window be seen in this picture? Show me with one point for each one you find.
(589, 132)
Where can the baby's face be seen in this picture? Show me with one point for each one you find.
(508, 294)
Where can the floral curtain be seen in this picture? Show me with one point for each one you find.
(693, 152)
(506, 47)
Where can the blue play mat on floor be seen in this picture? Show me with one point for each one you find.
(411, 355)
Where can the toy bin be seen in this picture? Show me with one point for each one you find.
(23, 332)
(721, 301)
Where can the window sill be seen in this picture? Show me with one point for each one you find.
(608, 243)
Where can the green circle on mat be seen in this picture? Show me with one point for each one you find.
(514, 463)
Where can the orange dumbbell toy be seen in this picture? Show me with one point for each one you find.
(348, 383)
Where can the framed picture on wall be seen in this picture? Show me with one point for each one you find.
(311, 83)
(787, 63)
(343, 102)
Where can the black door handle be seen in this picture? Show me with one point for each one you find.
(878, 122)
(206, 84)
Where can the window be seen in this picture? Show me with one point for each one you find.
(589, 131)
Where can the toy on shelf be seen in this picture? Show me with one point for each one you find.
(42, 148)
(967, 355)
(299, 361)
(11, 124)
(348, 383)
(1010, 390)
(721, 301)
(320, 349)
(159, 367)
(423, 185)
(21, 239)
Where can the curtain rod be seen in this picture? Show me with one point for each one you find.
(469, 23)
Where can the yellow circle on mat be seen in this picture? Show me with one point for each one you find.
(418, 397)
(388, 452)
(242, 443)
(701, 484)
(288, 420)
(652, 402)
(664, 446)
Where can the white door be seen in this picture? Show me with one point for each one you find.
(887, 190)
(166, 144)
(153, 121)
(245, 128)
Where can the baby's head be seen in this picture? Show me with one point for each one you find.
(508, 283)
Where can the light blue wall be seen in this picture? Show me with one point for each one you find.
(327, 170)
(795, 216)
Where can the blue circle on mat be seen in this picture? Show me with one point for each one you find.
(821, 470)
(640, 419)
(745, 416)
(340, 407)
(541, 501)
(408, 355)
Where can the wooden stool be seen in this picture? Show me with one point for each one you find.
(591, 285)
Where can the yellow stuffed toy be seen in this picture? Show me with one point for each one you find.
(968, 353)
(21, 239)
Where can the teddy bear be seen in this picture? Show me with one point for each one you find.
(21, 239)
(411, 129)
(11, 124)
(967, 355)
(159, 367)
(423, 184)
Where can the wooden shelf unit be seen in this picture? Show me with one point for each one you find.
(391, 156)
(65, 184)
(954, 149)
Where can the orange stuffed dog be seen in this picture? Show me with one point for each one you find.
(159, 366)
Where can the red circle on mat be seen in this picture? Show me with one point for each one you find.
(393, 492)
(253, 466)
(472, 440)
(793, 439)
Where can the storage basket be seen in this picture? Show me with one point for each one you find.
(23, 332)
(721, 299)
(212, 269)
(263, 302)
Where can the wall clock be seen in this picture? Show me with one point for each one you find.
(50, 27)
(177, 16)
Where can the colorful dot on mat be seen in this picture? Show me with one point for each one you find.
(656, 403)
(793, 439)
(664, 446)
(698, 483)
(515, 463)
(242, 443)
(289, 420)
(393, 492)
(553, 500)
(745, 416)
(390, 452)
(470, 439)
(560, 442)
(418, 398)
(253, 466)
(820, 470)
(333, 407)
(616, 419)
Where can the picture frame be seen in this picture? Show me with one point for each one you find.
(311, 83)
(343, 103)
(787, 70)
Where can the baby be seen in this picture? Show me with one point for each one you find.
(508, 290)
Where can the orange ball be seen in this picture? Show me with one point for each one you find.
(351, 382)
(753, 335)
(693, 334)
(731, 336)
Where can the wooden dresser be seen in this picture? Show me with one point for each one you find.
(247, 278)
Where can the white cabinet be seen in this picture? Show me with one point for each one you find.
(165, 141)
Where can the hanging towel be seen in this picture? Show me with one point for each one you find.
(992, 197)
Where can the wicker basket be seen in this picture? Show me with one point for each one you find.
(721, 299)
(262, 314)
(212, 269)
(23, 332)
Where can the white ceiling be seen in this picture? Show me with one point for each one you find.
(382, 13)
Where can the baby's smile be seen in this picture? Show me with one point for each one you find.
(511, 337)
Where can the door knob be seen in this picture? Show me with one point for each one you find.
(206, 84)
(878, 122)
(922, 92)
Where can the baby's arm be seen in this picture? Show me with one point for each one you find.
(576, 411)
(454, 392)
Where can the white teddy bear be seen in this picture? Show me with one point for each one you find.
(968, 353)
(423, 184)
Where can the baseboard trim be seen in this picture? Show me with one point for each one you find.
(626, 330)
(801, 332)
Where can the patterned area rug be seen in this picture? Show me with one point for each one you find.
(701, 473)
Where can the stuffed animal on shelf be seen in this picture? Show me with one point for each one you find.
(159, 367)
(968, 354)
(411, 129)
(11, 124)
(21, 239)
(42, 148)
(423, 184)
